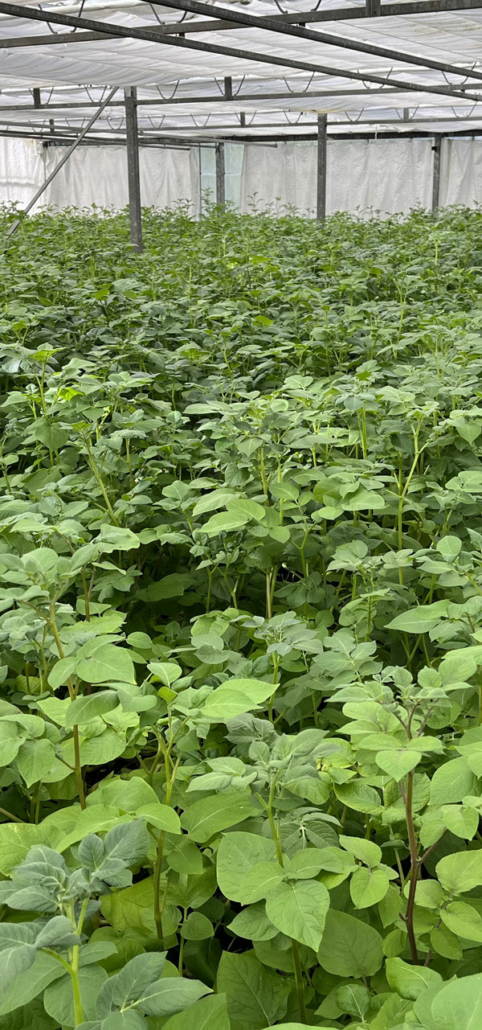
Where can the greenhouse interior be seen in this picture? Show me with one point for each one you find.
(241, 515)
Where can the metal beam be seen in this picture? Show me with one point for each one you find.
(321, 165)
(436, 172)
(133, 171)
(247, 55)
(13, 228)
(220, 176)
(358, 13)
(216, 99)
(301, 32)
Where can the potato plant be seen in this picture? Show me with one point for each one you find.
(241, 623)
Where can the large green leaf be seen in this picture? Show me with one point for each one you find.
(107, 663)
(460, 872)
(349, 947)
(298, 910)
(211, 815)
(208, 1013)
(256, 996)
(238, 855)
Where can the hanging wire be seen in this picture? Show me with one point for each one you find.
(173, 94)
(305, 90)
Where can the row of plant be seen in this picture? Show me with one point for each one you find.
(241, 623)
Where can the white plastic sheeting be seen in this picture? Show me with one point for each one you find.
(385, 176)
(362, 175)
(99, 176)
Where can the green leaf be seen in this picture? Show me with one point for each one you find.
(460, 872)
(245, 507)
(253, 923)
(238, 854)
(421, 619)
(235, 697)
(451, 782)
(16, 839)
(298, 910)
(31, 983)
(91, 706)
(410, 981)
(459, 1005)
(365, 850)
(462, 822)
(17, 951)
(397, 763)
(34, 759)
(197, 927)
(368, 887)
(225, 522)
(256, 996)
(349, 947)
(208, 1013)
(59, 998)
(170, 995)
(211, 815)
(107, 663)
(160, 816)
(463, 920)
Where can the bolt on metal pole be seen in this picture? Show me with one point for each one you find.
(133, 171)
(220, 176)
(63, 160)
(321, 168)
(437, 147)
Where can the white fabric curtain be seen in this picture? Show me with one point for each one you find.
(363, 176)
(21, 170)
(98, 175)
(461, 172)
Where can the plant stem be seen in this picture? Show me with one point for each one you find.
(300, 988)
(414, 868)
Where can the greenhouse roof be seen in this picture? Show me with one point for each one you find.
(202, 69)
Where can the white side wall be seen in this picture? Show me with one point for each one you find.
(364, 176)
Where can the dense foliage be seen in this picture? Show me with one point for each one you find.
(241, 624)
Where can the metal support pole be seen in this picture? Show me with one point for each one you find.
(321, 168)
(437, 147)
(220, 176)
(372, 8)
(63, 160)
(133, 172)
(228, 88)
(36, 97)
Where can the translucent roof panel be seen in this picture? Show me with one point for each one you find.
(180, 87)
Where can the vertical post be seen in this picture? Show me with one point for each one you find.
(220, 176)
(372, 8)
(36, 97)
(321, 168)
(228, 88)
(133, 173)
(437, 147)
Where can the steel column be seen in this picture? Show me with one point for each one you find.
(13, 228)
(133, 172)
(220, 176)
(321, 168)
(437, 147)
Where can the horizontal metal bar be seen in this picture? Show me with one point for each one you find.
(246, 55)
(218, 99)
(300, 17)
(301, 32)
